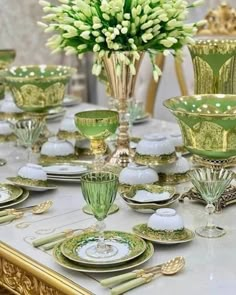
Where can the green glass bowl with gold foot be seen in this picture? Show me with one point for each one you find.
(7, 56)
(97, 125)
(38, 88)
(207, 124)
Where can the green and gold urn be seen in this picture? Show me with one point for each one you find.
(208, 124)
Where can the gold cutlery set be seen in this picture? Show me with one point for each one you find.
(9, 215)
(142, 276)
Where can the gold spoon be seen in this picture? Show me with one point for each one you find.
(171, 267)
(36, 209)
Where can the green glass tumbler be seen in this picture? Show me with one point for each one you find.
(99, 190)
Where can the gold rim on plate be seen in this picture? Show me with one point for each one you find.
(74, 248)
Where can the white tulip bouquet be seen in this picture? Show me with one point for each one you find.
(103, 26)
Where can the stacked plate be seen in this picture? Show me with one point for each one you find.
(148, 198)
(130, 251)
(66, 172)
(11, 195)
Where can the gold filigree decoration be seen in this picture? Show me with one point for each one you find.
(220, 21)
(32, 95)
(18, 280)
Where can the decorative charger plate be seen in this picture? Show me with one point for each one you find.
(129, 192)
(9, 192)
(22, 198)
(129, 246)
(163, 237)
(69, 264)
(31, 185)
(65, 169)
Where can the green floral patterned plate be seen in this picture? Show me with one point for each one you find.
(19, 200)
(163, 237)
(129, 246)
(129, 192)
(9, 192)
(31, 185)
(63, 261)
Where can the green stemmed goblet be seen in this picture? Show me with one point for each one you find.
(99, 190)
(28, 131)
(97, 125)
(210, 183)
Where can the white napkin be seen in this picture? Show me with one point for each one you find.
(145, 196)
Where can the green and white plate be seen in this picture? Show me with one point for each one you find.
(129, 246)
(65, 169)
(64, 179)
(69, 264)
(142, 119)
(9, 192)
(31, 185)
(163, 237)
(70, 100)
(129, 192)
(55, 113)
(22, 198)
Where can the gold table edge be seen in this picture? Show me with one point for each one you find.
(40, 272)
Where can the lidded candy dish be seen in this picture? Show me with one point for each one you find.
(32, 177)
(174, 173)
(155, 149)
(166, 219)
(165, 226)
(55, 150)
(68, 130)
(135, 174)
(177, 141)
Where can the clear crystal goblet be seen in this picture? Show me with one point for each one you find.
(210, 183)
(28, 132)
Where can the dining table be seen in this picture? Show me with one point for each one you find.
(210, 267)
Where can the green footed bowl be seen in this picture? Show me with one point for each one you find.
(208, 123)
(38, 88)
(7, 56)
(97, 124)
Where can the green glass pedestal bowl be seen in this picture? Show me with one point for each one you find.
(208, 124)
(97, 125)
(38, 88)
(7, 56)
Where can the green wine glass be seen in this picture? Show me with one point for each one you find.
(210, 183)
(99, 190)
(97, 125)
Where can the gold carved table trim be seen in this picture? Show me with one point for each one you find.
(23, 276)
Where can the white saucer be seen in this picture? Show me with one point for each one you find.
(65, 169)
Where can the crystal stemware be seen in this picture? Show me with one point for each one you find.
(28, 131)
(97, 125)
(210, 183)
(99, 190)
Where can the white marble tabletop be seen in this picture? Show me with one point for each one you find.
(210, 263)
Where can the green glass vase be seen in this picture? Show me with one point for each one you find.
(214, 63)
